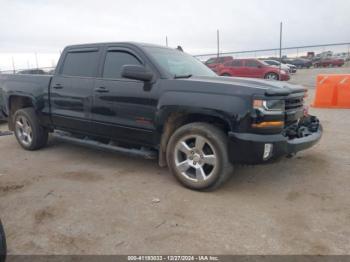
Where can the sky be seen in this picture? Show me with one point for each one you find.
(45, 27)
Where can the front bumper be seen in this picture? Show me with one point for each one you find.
(247, 148)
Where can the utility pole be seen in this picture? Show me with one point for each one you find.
(36, 61)
(280, 49)
(218, 42)
(13, 65)
(166, 41)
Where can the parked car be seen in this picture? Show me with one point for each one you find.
(329, 61)
(32, 72)
(293, 68)
(214, 62)
(284, 60)
(3, 247)
(344, 55)
(252, 68)
(150, 99)
(298, 62)
(289, 68)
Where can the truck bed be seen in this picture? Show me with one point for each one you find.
(33, 86)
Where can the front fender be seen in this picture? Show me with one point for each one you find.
(231, 109)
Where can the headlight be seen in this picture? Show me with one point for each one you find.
(269, 105)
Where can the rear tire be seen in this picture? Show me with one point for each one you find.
(272, 76)
(197, 156)
(29, 133)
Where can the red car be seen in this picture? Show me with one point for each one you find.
(252, 68)
(214, 62)
(326, 62)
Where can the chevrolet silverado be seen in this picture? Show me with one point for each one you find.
(152, 99)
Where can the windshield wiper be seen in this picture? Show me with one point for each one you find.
(183, 76)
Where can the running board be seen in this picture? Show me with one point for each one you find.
(143, 152)
(6, 133)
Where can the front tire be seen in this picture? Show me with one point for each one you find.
(271, 76)
(197, 156)
(29, 133)
(3, 247)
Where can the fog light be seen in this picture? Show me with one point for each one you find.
(267, 151)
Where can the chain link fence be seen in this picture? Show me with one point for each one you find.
(311, 52)
(44, 63)
(28, 63)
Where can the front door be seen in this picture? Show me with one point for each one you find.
(253, 68)
(123, 109)
(236, 68)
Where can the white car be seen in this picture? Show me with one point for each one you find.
(292, 68)
(287, 67)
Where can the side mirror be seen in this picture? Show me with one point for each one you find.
(137, 72)
(259, 66)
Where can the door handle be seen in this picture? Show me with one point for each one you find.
(58, 86)
(101, 89)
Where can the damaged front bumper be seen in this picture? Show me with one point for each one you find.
(247, 148)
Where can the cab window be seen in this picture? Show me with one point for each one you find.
(115, 60)
(82, 64)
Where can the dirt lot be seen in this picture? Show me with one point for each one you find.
(67, 199)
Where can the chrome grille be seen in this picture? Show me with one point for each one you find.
(294, 103)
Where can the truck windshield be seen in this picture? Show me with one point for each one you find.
(178, 63)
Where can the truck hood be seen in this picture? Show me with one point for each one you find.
(257, 86)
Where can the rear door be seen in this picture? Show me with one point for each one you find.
(123, 109)
(71, 90)
(236, 68)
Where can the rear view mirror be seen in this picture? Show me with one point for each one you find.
(137, 72)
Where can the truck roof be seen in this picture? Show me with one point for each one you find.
(137, 44)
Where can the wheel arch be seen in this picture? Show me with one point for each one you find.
(16, 102)
(272, 72)
(225, 73)
(174, 120)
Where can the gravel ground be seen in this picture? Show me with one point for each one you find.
(67, 199)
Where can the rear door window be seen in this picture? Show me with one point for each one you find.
(82, 64)
(251, 63)
(236, 63)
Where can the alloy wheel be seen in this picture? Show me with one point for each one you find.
(24, 130)
(195, 158)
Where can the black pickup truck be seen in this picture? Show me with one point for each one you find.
(3, 247)
(155, 99)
